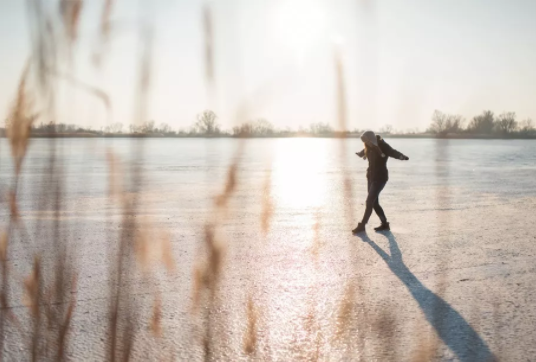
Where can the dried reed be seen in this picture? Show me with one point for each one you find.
(70, 12)
(342, 122)
(250, 336)
(267, 203)
(317, 244)
(141, 245)
(345, 312)
(19, 123)
(209, 45)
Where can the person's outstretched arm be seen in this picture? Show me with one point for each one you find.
(391, 152)
(361, 153)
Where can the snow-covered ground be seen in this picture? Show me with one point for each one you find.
(455, 275)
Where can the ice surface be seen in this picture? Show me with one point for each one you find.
(458, 265)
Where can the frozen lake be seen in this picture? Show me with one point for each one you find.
(457, 272)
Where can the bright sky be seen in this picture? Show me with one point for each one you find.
(402, 60)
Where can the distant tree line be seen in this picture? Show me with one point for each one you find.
(484, 124)
(206, 125)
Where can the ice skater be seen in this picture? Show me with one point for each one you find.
(376, 151)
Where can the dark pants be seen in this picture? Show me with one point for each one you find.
(373, 201)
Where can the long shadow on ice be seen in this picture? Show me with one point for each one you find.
(449, 324)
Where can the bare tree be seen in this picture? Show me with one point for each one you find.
(483, 123)
(260, 127)
(387, 129)
(114, 128)
(439, 123)
(506, 123)
(321, 128)
(165, 128)
(243, 130)
(454, 123)
(526, 126)
(206, 123)
(117, 127)
(147, 127)
(443, 123)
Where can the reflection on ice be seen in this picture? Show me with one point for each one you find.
(299, 179)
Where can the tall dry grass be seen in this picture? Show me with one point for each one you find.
(141, 247)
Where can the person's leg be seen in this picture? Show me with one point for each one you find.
(374, 189)
(378, 209)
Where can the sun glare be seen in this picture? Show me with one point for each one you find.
(300, 23)
(299, 179)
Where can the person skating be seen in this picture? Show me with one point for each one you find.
(377, 152)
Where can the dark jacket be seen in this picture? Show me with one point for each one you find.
(377, 170)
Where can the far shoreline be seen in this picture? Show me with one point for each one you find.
(336, 136)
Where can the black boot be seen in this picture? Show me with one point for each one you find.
(360, 228)
(383, 227)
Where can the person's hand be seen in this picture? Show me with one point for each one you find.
(404, 158)
(361, 154)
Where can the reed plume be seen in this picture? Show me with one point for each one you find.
(267, 203)
(20, 120)
(70, 11)
(250, 336)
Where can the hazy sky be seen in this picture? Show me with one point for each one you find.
(402, 60)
